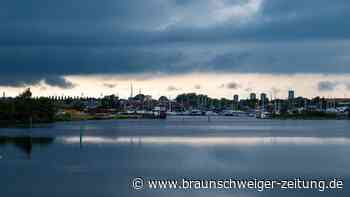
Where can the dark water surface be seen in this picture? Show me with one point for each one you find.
(100, 158)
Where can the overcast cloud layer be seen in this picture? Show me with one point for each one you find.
(44, 40)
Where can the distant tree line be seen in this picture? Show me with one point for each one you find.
(25, 110)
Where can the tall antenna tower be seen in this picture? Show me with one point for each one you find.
(131, 90)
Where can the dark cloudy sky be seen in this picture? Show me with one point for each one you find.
(61, 46)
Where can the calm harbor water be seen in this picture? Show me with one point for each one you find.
(100, 158)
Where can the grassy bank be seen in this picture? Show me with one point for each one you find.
(83, 116)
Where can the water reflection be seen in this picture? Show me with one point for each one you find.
(206, 141)
(26, 143)
(114, 152)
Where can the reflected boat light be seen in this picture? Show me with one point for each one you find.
(207, 141)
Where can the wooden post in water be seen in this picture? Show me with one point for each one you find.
(30, 122)
(81, 137)
(30, 137)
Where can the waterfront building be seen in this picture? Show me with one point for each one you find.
(236, 98)
(252, 96)
(235, 103)
(291, 99)
(291, 95)
(263, 100)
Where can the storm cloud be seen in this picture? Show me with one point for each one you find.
(59, 82)
(109, 85)
(172, 88)
(45, 40)
(22, 80)
(197, 87)
(232, 85)
(327, 85)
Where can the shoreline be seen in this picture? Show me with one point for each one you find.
(140, 117)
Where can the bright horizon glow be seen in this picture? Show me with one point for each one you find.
(215, 85)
